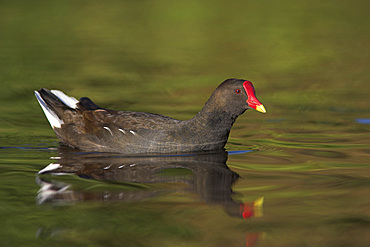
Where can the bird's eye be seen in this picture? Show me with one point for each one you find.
(237, 91)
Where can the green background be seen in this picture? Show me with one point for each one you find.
(309, 155)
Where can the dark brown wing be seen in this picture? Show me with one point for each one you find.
(96, 119)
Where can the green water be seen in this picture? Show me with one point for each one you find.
(308, 157)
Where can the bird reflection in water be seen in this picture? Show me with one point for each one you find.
(205, 174)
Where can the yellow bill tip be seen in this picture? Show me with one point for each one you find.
(261, 108)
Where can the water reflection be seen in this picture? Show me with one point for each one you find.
(206, 175)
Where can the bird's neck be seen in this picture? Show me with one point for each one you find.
(213, 120)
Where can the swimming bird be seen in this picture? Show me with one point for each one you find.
(83, 125)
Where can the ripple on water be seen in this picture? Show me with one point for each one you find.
(322, 153)
(363, 120)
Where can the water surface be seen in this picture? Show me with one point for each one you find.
(307, 159)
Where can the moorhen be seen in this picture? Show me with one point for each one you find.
(86, 126)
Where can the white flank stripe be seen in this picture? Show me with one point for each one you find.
(107, 128)
(69, 101)
(107, 167)
(124, 132)
(132, 132)
(53, 119)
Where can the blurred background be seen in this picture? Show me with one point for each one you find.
(308, 156)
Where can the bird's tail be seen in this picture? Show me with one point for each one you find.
(54, 103)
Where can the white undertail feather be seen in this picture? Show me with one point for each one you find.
(50, 167)
(69, 101)
(53, 119)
